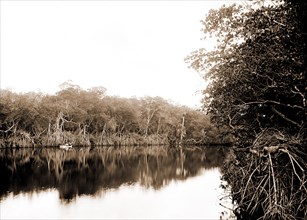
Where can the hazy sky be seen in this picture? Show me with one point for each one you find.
(132, 48)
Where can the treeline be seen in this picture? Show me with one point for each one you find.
(90, 117)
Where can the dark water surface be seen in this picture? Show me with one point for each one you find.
(112, 183)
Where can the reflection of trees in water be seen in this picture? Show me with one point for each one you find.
(90, 170)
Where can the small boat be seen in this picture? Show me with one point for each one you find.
(66, 146)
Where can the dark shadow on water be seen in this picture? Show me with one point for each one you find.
(89, 170)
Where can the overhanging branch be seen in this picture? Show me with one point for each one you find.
(284, 117)
(274, 102)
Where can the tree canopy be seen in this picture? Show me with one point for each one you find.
(257, 72)
(86, 117)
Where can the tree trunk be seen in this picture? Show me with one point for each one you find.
(59, 127)
(182, 131)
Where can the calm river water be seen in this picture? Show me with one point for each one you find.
(112, 183)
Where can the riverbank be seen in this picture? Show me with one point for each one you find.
(23, 139)
(89, 117)
(268, 178)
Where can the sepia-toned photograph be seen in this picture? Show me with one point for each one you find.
(152, 109)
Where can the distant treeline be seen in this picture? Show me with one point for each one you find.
(90, 117)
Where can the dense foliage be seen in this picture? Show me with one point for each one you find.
(257, 88)
(87, 117)
(257, 71)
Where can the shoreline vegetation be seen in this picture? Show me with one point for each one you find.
(272, 174)
(90, 118)
(258, 89)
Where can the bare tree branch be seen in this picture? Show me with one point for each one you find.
(274, 102)
(284, 117)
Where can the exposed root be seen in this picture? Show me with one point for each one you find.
(268, 180)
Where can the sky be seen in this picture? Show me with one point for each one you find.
(132, 48)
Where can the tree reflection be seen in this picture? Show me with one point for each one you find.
(88, 171)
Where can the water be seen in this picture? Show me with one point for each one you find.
(112, 183)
